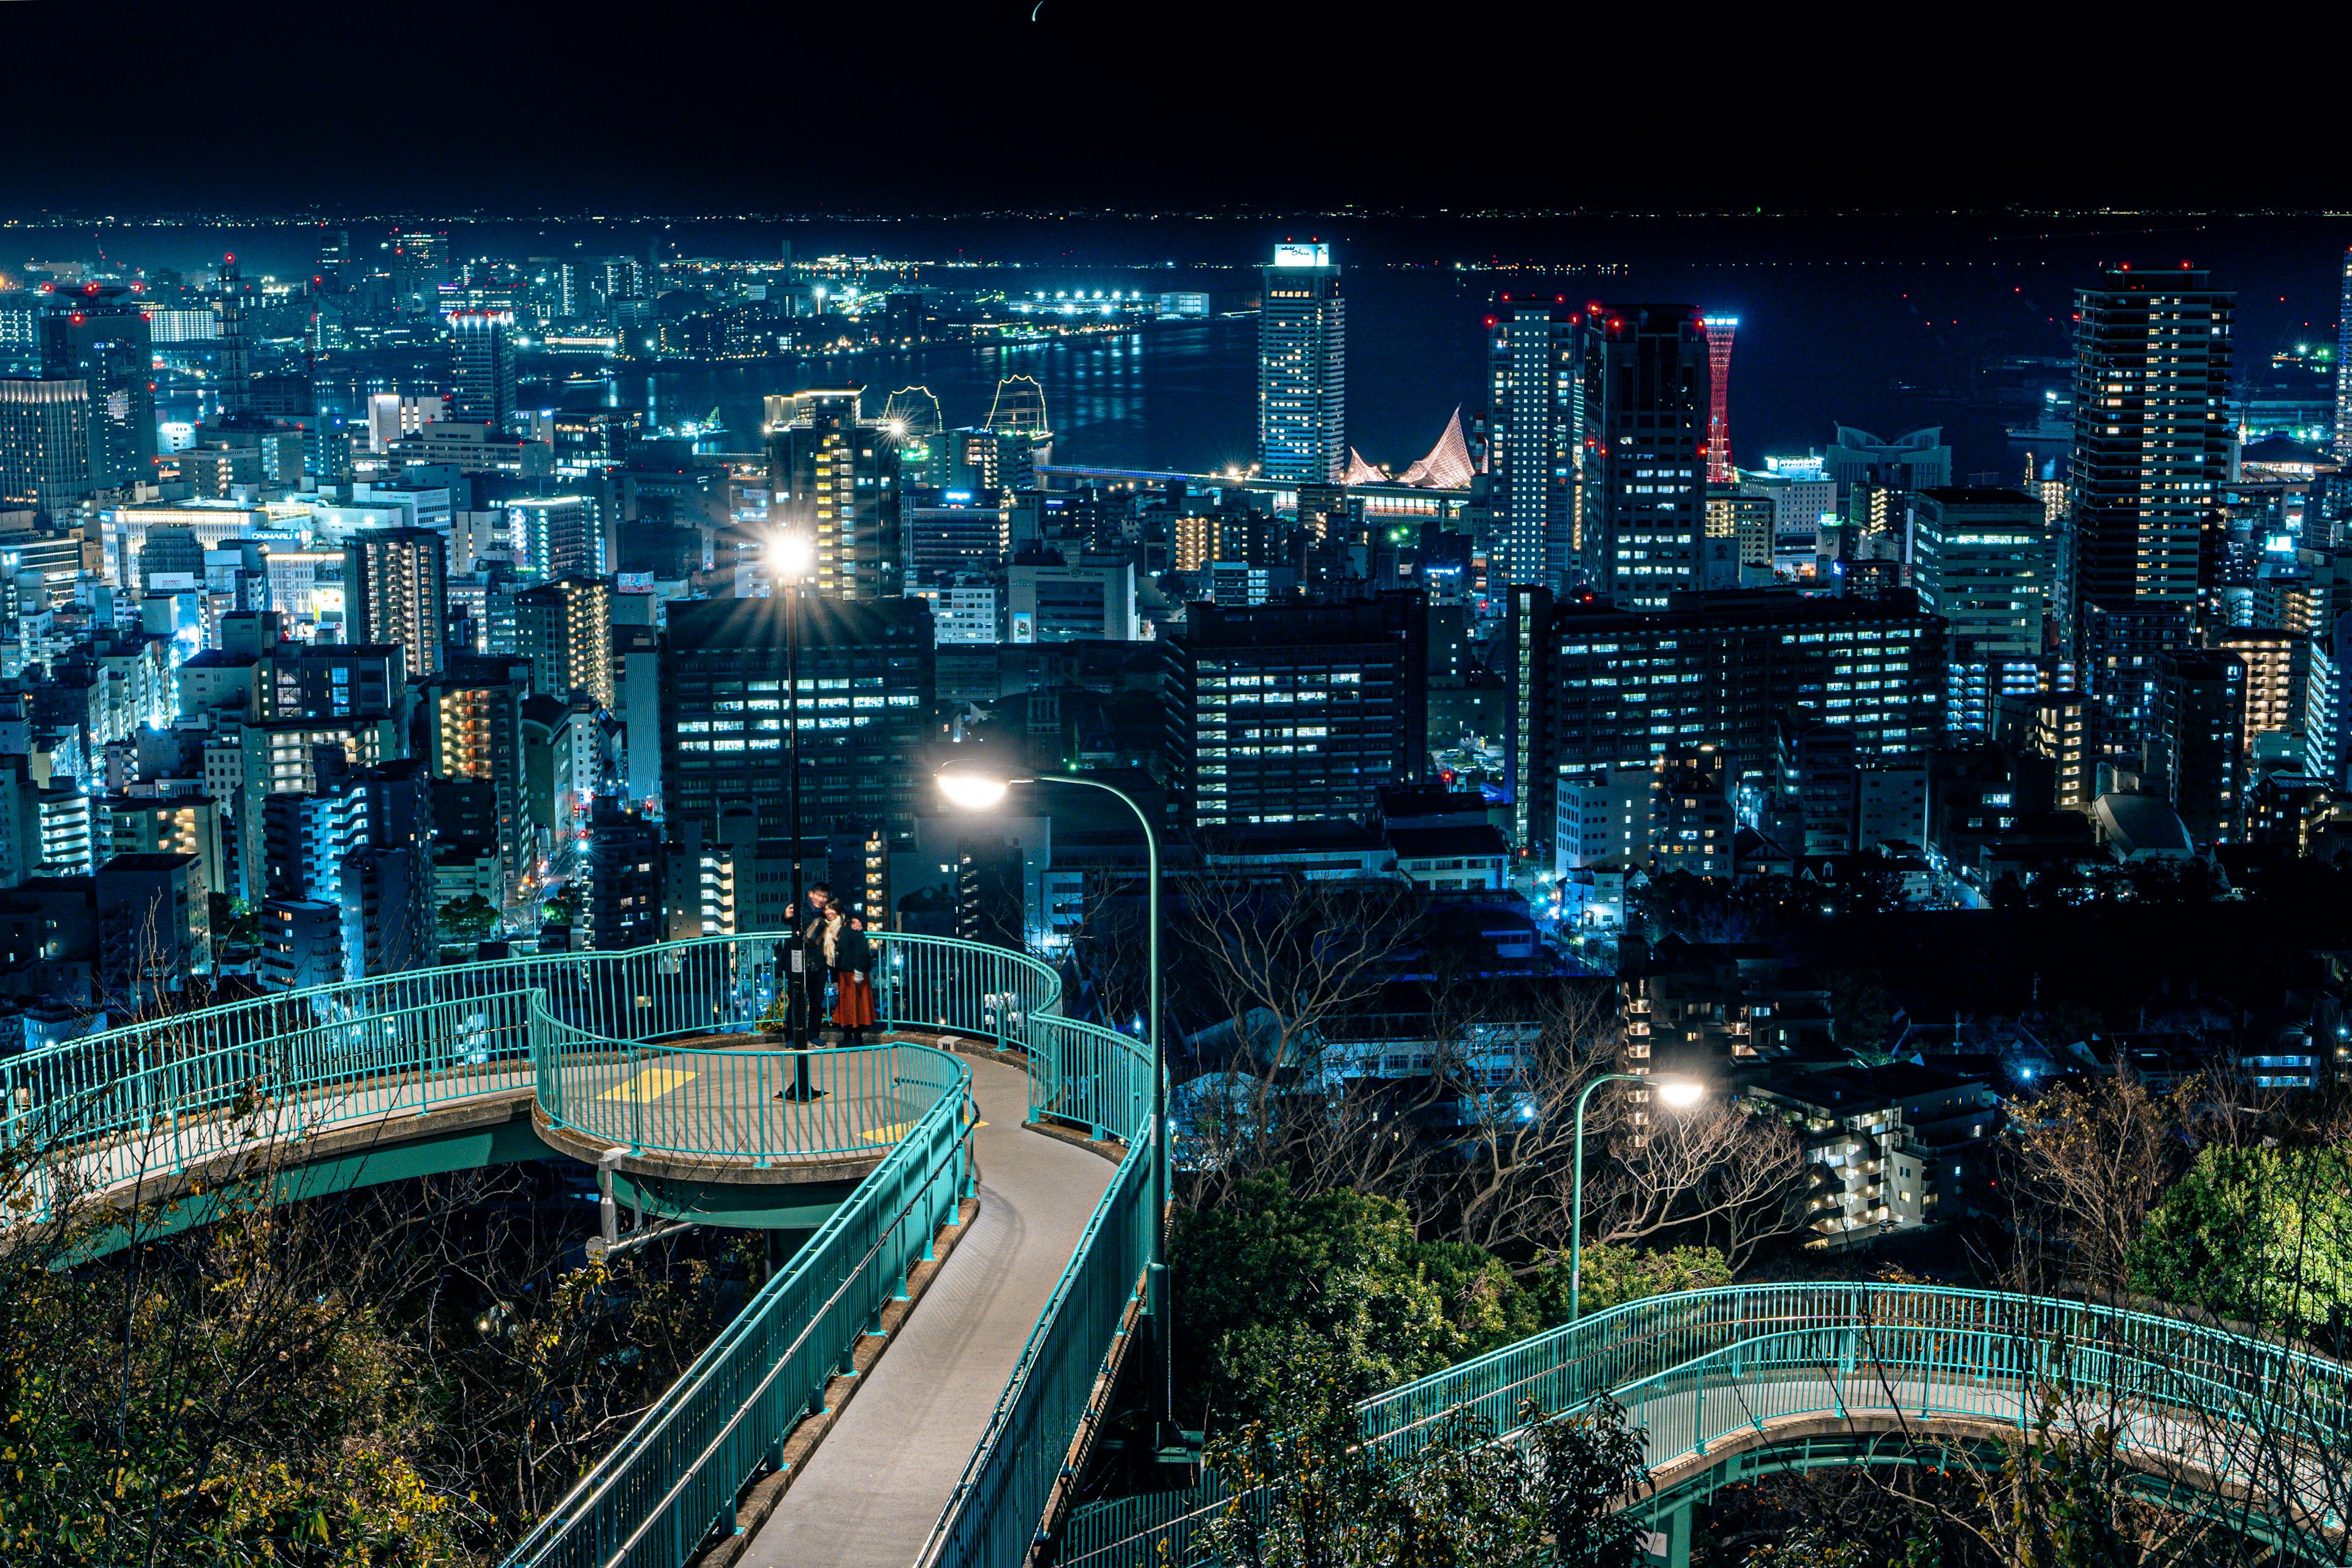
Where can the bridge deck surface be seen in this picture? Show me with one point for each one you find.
(729, 1120)
(876, 1485)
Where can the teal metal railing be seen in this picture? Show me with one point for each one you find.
(1079, 1074)
(705, 1102)
(583, 1032)
(157, 1093)
(1701, 1367)
(1097, 1081)
(580, 1031)
(675, 1475)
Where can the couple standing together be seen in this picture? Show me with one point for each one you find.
(833, 947)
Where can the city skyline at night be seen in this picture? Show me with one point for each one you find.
(1041, 785)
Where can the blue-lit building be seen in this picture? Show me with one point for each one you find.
(1302, 364)
(1535, 440)
(1595, 686)
(1980, 559)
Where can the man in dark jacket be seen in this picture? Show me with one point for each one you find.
(813, 972)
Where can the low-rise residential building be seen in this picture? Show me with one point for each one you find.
(1890, 1148)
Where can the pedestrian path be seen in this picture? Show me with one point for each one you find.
(876, 1485)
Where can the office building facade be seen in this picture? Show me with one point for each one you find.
(44, 444)
(1980, 559)
(100, 337)
(1535, 440)
(866, 686)
(1303, 711)
(2152, 358)
(1644, 518)
(1599, 687)
(1302, 365)
(834, 480)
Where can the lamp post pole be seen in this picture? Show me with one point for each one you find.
(1576, 1207)
(1161, 1301)
(976, 791)
(796, 980)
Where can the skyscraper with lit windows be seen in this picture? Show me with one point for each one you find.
(395, 579)
(2343, 368)
(98, 336)
(833, 478)
(1534, 448)
(2151, 452)
(1644, 496)
(1302, 364)
(484, 367)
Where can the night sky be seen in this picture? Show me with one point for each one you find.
(906, 107)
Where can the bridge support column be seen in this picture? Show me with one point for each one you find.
(1670, 1543)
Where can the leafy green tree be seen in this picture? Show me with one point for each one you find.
(233, 919)
(472, 915)
(258, 1390)
(1457, 1499)
(1617, 1273)
(2261, 1234)
(1808, 1549)
(1860, 1010)
(1268, 1277)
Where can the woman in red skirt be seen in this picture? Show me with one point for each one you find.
(851, 958)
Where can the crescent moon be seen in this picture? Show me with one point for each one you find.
(1039, 7)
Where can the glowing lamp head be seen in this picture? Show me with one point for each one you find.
(796, 553)
(1679, 1093)
(971, 791)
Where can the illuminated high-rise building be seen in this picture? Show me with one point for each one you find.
(1302, 364)
(418, 263)
(565, 629)
(396, 580)
(2151, 452)
(100, 337)
(2343, 368)
(867, 680)
(1980, 558)
(2199, 723)
(474, 726)
(1535, 440)
(334, 269)
(833, 478)
(1643, 519)
(483, 367)
(44, 444)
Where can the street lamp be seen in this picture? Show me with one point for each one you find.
(974, 790)
(1675, 1094)
(796, 558)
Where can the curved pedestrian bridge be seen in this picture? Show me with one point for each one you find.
(1729, 1384)
(958, 1446)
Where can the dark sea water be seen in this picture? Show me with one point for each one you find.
(1881, 323)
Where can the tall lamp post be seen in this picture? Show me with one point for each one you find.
(1677, 1093)
(796, 553)
(976, 791)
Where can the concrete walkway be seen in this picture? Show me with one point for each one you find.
(876, 1485)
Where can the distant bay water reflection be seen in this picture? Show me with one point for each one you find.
(1883, 323)
(1175, 395)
